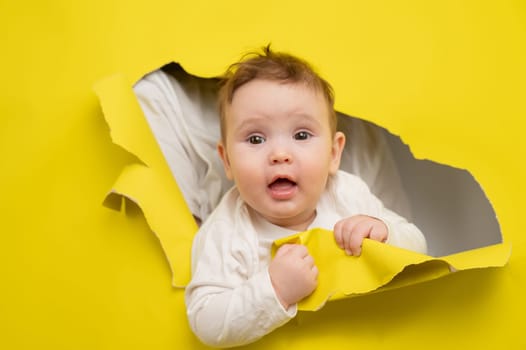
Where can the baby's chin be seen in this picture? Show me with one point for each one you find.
(292, 221)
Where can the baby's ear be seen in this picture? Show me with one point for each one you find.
(338, 142)
(221, 149)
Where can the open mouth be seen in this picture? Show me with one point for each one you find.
(281, 182)
(282, 188)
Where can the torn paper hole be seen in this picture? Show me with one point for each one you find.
(446, 203)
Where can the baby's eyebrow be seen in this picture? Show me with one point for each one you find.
(257, 121)
(249, 123)
(304, 118)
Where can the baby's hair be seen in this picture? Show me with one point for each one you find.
(274, 66)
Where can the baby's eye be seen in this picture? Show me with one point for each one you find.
(256, 139)
(302, 135)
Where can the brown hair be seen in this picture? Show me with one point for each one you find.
(275, 66)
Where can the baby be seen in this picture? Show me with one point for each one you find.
(280, 146)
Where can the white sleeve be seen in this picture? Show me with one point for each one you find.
(403, 234)
(356, 197)
(163, 113)
(228, 301)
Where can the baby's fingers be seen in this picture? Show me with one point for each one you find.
(338, 234)
(309, 261)
(356, 238)
(284, 249)
(315, 271)
(369, 228)
(312, 269)
(379, 232)
(343, 229)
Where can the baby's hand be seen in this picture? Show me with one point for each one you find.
(293, 274)
(350, 232)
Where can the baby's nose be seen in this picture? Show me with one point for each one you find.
(279, 157)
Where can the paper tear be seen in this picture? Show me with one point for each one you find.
(151, 184)
(153, 187)
(379, 267)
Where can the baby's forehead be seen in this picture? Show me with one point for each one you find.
(289, 109)
(278, 98)
(262, 87)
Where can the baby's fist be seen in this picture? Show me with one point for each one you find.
(293, 274)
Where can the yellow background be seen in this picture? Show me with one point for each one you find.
(448, 76)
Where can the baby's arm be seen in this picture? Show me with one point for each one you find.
(224, 314)
(350, 232)
(231, 299)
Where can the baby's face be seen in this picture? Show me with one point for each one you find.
(279, 150)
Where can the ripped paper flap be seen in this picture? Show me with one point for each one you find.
(149, 184)
(380, 266)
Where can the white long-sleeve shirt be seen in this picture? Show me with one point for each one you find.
(230, 300)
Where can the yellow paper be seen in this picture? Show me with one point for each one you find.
(379, 264)
(447, 77)
(149, 184)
